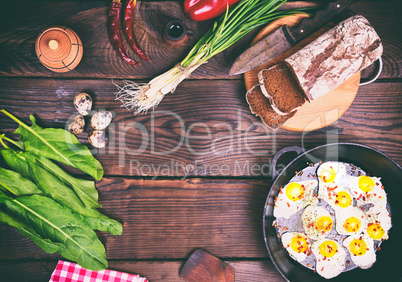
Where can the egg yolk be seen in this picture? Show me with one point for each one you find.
(328, 248)
(343, 199)
(358, 247)
(366, 184)
(324, 223)
(327, 175)
(375, 231)
(299, 244)
(352, 224)
(294, 191)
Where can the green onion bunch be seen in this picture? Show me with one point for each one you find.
(227, 30)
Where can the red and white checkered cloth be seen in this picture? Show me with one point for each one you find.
(72, 272)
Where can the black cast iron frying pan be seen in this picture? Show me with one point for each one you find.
(388, 266)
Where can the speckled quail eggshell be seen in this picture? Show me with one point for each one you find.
(101, 119)
(98, 138)
(76, 124)
(83, 103)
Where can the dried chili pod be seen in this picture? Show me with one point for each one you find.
(115, 32)
(128, 28)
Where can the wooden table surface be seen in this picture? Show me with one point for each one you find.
(194, 173)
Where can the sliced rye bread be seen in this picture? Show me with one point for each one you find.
(260, 106)
(279, 86)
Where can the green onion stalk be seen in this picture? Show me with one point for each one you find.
(227, 30)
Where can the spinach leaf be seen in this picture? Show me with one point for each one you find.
(54, 186)
(17, 162)
(12, 182)
(58, 224)
(85, 189)
(59, 145)
(45, 244)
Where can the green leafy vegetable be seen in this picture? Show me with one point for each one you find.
(42, 217)
(12, 182)
(59, 145)
(227, 30)
(45, 244)
(17, 162)
(56, 210)
(84, 189)
(49, 178)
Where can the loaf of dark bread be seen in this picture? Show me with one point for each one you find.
(335, 56)
(260, 106)
(279, 86)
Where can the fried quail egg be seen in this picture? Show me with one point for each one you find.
(317, 222)
(367, 190)
(331, 174)
(350, 221)
(294, 197)
(330, 257)
(361, 249)
(379, 223)
(297, 244)
(338, 198)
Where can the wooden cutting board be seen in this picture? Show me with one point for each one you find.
(322, 111)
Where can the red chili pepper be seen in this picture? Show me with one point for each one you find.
(128, 28)
(201, 10)
(115, 32)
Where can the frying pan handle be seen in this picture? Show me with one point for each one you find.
(296, 149)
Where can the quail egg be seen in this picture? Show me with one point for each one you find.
(83, 103)
(351, 220)
(317, 222)
(101, 119)
(98, 138)
(297, 244)
(330, 257)
(294, 197)
(76, 124)
(361, 248)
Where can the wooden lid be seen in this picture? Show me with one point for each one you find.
(59, 49)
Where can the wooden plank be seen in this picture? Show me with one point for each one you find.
(169, 219)
(167, 271)
(204, 129)
(88, 19)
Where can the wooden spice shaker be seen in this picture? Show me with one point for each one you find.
(59, 48)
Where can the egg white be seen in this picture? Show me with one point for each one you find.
(285, 207)
(329, 267)
(367, 259)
